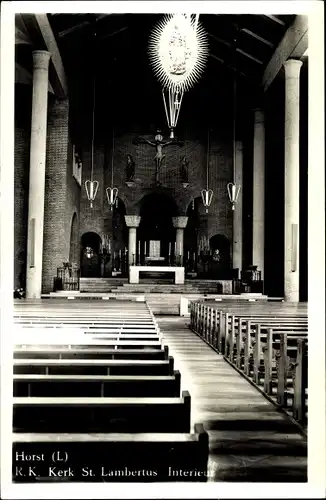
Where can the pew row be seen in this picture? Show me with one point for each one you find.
(271, 350)
(94, 366)
(97, 385)
(120, 329)
(146, 457)
(102, 414)
(55, 352)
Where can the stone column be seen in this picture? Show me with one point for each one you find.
(291, 182)
(179, 223)
(237, 214)
(132, 222)
(258, 214)
(41, 61)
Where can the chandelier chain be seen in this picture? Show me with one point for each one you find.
(93, 116)
(112, 158)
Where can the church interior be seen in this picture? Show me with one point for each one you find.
(160, 247)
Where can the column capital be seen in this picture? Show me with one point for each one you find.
(132, 220)
(180, 222)
(292, 68)
(41, 59)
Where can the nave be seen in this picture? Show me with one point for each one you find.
(107, 378)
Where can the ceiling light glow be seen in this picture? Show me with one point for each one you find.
(178, 51)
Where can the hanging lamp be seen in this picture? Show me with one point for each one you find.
(112, 192)
(173, 96)
(207, 194)
(91, 186)
(232, 187)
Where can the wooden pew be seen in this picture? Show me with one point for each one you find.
(252, 338)
(121, 330)
(113, 457)
(102, 414)
(236, 327)
(240, 334)
(97, 385)
(279, 359)
(94, 366)
(55, 352)
(85, 344)
(211, 321)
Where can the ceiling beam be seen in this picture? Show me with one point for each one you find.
(257, 37)
(41, 33)
(249, 56)
(21, 37)
(23, 76)
(73, 28)
(21, 33)
(220, 40)
(293, 44)
(276, 20)
(232, 68)
(114, 33)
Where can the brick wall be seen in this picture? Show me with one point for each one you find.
(219, 219)
(21, 180)
(62, 193)
(22, 144)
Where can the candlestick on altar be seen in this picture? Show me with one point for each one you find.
(169, 249)
(120, 253)
(188, 254)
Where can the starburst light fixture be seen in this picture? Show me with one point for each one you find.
(178, 51)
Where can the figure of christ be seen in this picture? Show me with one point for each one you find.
(159, 145)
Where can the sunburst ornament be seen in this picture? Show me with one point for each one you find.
(178, 51)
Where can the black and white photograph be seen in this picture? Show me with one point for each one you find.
(162, 227)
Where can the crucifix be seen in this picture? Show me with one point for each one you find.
(159, 145)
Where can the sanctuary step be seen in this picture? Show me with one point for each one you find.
(147, 285)
(100, 284)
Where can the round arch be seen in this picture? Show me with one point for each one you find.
(90, 266)
(221, 251)
(156, 210)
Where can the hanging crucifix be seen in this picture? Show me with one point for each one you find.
(159, 145)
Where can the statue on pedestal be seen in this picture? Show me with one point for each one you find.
(184, 171)
(130, 169)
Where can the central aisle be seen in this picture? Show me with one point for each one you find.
(250, 440)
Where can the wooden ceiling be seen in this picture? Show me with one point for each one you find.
(243, 42)
(114, 48)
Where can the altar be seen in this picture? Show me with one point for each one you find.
(179, 272)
